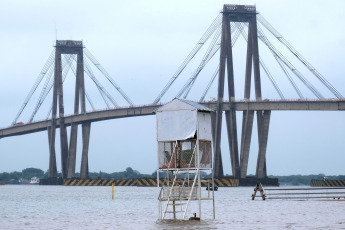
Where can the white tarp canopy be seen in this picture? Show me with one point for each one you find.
(180, 120)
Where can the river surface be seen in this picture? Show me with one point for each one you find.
(62, 207)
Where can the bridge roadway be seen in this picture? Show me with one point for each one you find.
(144, 110)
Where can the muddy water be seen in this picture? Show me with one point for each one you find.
(59, 207)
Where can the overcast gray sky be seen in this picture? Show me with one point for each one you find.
(141, 44)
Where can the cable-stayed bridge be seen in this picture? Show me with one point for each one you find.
(232, 23)
(145, 110)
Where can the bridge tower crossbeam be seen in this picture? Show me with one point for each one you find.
(68, 152)
(240, 13)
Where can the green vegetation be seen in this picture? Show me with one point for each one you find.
(129, 173)
(28, 173)
(304, 179)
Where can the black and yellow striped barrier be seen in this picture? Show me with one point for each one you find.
(327, 183)
(225, 182)
(144, 182)
(148, 182)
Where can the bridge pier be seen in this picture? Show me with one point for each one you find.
(84, 167)
(72, 154)
(63, 129)
(52, 172)
(79, 97)
(263, 136)
(218, 164)
(68, 153)
(247, 126)
(64, 148)
(240, 13)
(232, 140)
(248, 116)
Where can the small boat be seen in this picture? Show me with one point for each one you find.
(215, 188)
(34, 180)
(23, 181)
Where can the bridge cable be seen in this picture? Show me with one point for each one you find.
(215, 24)
(274, 51)
(66, 66)
(194, 79)
(209, 55)
(86, 94)
(275, 33)
(100, 89)
(44, 70)
(40, 99)
(67, 60)
(43, 91)
(261, 62)
(209, 84)
(51, 85)
(103, 91)
(49, 111)
(99, 86)
(289, 77)
(46, 89)
(233, 41)
(202, 64)
(234, 34)
(105, 73)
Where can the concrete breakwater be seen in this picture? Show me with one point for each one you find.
(327, 183)
(152, 182)
(143, 182)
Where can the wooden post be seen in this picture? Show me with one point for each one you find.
(112, 191)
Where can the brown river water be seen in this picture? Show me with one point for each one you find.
(62, 207)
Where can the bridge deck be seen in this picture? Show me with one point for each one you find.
(133, 111)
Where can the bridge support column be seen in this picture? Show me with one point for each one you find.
(247, 126)
(248, 116)
(241, 13)
(52, 172)
(218, 167)
(84, 168)
(232, 139)
(68, 155)
(263, 137)
(226, 63)
(218, 164)
(79, 96)
(218, 157)
(64, 148)
(63, 130)
(52, 128)
(72, 154)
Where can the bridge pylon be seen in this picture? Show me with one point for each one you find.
(240, 13)
(68, 152)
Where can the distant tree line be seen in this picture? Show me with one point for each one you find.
(28, 173)
(129, 173)
(305, 179)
